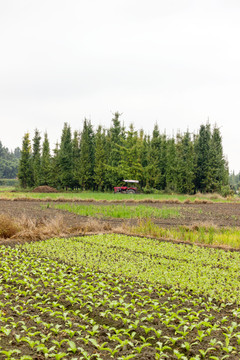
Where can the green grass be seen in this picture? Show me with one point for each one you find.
(6, 189)
(196, 234)
(120, 211)
(212, 272)
(100, 196)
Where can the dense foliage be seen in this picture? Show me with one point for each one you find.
(101, 160)
(8, 162)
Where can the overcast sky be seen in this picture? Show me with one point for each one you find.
(174, 62)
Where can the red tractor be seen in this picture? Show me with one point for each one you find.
(128, 189)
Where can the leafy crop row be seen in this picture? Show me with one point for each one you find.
(212, 272)
(51, 309)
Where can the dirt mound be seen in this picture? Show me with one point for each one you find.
(45, 189)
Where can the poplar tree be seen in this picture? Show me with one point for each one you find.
(218, 173)
(55, 168)
(86, 156)
(153, 171)
(117, 136)
(66, 157)
(36, 158)
(100, 159)
(130, 163)
(143, 151)
(25, 172)
(202, 148)
(171, 165)
(75, 159)
(45, 168)
(185, 164)
(163, 161)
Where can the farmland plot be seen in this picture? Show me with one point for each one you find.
(77, 299)
(120, 211)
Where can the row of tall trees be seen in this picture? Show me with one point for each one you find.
(9, 162)
(101, 159)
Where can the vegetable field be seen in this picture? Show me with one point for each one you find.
(118, 297)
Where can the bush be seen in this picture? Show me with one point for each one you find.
(148, 190)
(226, 191)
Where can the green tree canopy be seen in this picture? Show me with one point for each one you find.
(25, 171)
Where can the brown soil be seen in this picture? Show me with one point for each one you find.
(44, 189)
(216, 214)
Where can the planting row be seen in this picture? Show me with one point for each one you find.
(50, 309)
(211, 272)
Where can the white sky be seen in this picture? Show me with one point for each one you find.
(174, 62)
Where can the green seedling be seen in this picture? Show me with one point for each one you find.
(9, 353)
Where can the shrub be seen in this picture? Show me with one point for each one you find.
(148, 190)
(226, 191)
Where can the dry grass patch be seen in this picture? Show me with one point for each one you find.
(34, 229)
(8, 226)
(91, 226)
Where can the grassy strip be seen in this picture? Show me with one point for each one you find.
(6, 189)
(120, 211)
(98, 196)
(210, 235)
(212, 272)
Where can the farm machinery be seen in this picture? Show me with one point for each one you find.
(128, 188)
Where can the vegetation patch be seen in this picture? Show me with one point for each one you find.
(8, 226)
(61, 310)
(44, 189)
(201, 234)
(25, 228)
(101, 160)
(120, 211)
(111, 197)
(212, 272)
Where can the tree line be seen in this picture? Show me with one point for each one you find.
(234, 181)
(9, 162)
(101, 159)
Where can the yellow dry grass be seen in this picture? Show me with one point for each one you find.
(33, 229)
(8, 226)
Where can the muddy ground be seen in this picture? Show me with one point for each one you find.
(216, 214)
